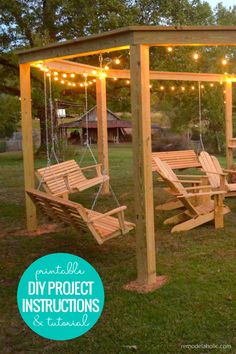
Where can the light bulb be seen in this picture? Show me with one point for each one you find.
(94, 72)
(56, 78)
(55, 73)
(85, 75)
(128, 82)
(72, 75)
(211, 85)
(195, 56)
(202, 86)
(150, 86)
(117, 61)
(162, 88)
(224, 61)
(169, 49)
(183, 88)
(172, 88)
(73, 84)
(115, 78)
(64, 75)
(192, 87)
(62, 81)
(106, 67)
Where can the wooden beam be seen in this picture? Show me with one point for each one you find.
(124, 37)
(80, 68)
(228, 123)
(27, 143)
(102, 129)
(141, 127)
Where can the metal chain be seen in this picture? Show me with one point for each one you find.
(200, 115)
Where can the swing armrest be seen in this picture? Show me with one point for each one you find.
(189, 181)
(190, 195)
(109, 213)
(97, 166)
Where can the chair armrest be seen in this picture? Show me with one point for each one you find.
(217, 173)
(192, 176)
(190, 195)
(229, 171)
(198, 187)
(189, 181)
(109, 213)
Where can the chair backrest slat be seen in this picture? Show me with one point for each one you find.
(209, 165)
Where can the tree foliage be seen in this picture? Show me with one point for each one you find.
(38, 22)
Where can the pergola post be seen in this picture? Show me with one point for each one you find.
(141, 128)
(228, 123)
(27, 143)
(102, 129)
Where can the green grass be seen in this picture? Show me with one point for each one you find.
(197, 306)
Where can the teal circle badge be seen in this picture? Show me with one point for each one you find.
(60, 296)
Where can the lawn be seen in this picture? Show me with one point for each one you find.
(197, 306)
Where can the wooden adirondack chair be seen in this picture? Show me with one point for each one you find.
(193, 215)
(173, 159)
(102, 226)
(217, 176)
(68, 177)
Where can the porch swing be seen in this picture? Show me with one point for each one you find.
(62, 177)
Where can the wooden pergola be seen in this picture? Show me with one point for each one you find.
(138, 39)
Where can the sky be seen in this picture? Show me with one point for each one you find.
(226, 3)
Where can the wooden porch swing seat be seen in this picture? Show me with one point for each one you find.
(68, 177)
(102, 226)
(193, 215)
(177, 160)
(217, 175)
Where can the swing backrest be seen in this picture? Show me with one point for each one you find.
(209, 165)
(178, 160)
(57, 178)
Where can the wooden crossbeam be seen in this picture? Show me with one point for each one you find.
(80, 68)
(124, 37)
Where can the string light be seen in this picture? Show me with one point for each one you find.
(94, 72)
(64, 75)
(202, 86)
(183, 88)
(102, 75)
(69, 84)
(56, 78)
(85, 75)
(106, 67)
(81, 85)
(117, 61)
(128, 82)
(55, 73)
(195, 56)
(73, 84)
(48, 74)
(169, 49)
(162, 88)
(193, 88)
(211, 84)
(62, 81)
(224, 61)
(72, 75)
(172, 88)
(150, 86)
(115, 78)
(94, 80)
